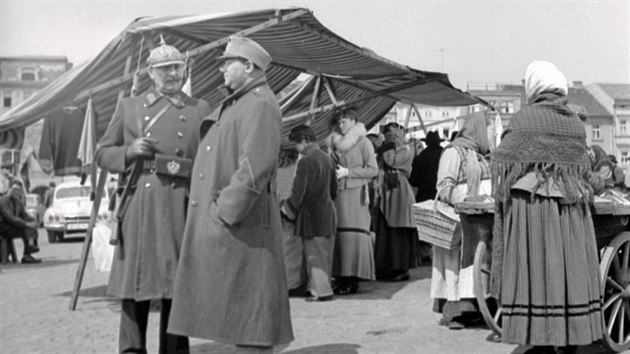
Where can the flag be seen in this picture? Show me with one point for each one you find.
(498, 129)
(87, 146)
(25, 163)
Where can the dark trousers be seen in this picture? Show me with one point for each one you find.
(27, 234)
(133, 329)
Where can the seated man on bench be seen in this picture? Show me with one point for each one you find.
(16, 223)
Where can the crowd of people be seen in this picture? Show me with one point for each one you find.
(202, 229)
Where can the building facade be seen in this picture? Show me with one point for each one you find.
(20, 77)
(613, 134)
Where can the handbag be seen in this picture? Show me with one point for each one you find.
(437, 223)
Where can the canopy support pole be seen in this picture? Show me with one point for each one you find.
(331, 92)
(96, 205)
(408, 117)
(315, 98)
(424, 128)
(335, 104)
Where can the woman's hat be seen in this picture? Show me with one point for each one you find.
(432, 137)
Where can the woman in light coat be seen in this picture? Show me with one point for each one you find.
(356, 165)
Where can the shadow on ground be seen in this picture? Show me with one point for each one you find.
(382, 290)
(44, 264)
(337, 348)
(96, 291)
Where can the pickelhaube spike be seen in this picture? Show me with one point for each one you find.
(165, 54)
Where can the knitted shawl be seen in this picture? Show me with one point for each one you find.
(549, 139)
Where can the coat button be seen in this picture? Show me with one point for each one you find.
(201, 176)
(193, 203)
(147, 185)
(180, 135)
(182, 118)
(147, 118)
(208, 148)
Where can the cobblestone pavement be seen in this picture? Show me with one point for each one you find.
(383, 318)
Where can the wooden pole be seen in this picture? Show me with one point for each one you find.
(96, 205)
(424, 127)
(408, 117)
(315, 98)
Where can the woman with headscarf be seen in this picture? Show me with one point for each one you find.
(545, 259)
(396, 243)
(353, 256)
(463, 165)
(602, 165)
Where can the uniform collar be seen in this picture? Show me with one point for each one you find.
(152, 96)
(231, 97)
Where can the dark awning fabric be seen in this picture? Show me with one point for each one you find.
(296, 40)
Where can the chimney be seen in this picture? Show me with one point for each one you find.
(577, 84)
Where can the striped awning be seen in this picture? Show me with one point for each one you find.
(298, 43)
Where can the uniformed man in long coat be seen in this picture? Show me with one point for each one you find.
(230, 284)
(155, 135)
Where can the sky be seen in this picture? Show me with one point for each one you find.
(472, 41)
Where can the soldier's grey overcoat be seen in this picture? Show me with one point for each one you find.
(230, 284)
(153, 225)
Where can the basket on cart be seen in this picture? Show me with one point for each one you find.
(610, 218)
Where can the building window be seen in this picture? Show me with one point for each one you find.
(509, 107)
(444, 114)
(625, 158)
(427, 114)
(7, 101)
(597, 134)
(623, 126)
(28, 74)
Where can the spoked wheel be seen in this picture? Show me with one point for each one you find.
(488, 305)
(615, 283)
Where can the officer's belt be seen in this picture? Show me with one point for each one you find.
(172, 166)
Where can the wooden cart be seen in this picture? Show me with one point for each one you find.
(613, 240)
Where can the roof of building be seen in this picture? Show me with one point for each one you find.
(581, 96)
(616, 91)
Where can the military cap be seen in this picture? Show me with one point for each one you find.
(164, 55)
(241, 47)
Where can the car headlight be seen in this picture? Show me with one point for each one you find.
(53, 217)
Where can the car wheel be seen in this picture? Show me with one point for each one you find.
(60, 236)
(52, 236)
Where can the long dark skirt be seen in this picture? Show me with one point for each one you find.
(395, 249)
(550, 289)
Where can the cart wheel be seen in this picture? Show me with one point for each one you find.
(615, 283)
(488, 305)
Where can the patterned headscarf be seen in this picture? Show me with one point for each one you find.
(543, 77)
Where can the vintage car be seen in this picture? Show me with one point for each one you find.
(35, 208)
(70, 211)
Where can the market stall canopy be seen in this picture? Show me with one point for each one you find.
(299, 44)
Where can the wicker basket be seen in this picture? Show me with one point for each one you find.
(437, 223)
